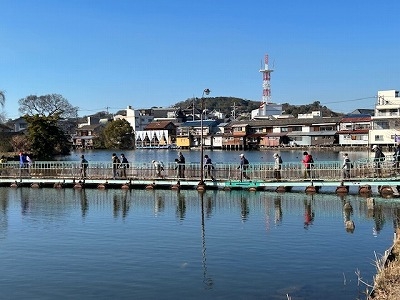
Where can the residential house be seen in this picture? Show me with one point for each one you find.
(354, 130)
(189, 134)
(19, 124)
(86, 133)
(217, 139)
(256, 134)
(157, 134)
(235, 135)
(316, 131)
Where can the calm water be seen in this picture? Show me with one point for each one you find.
(117, 244)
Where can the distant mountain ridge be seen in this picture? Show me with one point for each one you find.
(227, 104)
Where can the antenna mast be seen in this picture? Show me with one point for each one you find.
(266, 71)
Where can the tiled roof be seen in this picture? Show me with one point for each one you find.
(158, 125)
(206, 123)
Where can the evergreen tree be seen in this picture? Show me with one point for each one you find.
(46, 137)
(118, 134)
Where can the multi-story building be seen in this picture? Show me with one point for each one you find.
(385, 129)
(354, 129)
(308, 131)
(137, 118)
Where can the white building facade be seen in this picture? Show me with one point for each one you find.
(385, 129)
(136, 119)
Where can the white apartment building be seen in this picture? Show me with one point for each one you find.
(385, 129)
(266, 110)
(136, 118)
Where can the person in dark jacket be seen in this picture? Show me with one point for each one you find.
(378, 159)
(244, 165)
(115, 165)
(208, 167)
(181, 165)
(123, 165)
(84, 166)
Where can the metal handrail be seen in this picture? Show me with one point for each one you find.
(321, 170)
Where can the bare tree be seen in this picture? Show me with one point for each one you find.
(46, 106)
(2, 98)
(2, 102)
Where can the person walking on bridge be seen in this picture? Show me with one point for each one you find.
(208, 166)
(181, 165)
(346, 166)
(84, 166)
(308, 162)
(378, 159)
(244, 165)
(277, 166)
(115, 164)
(159, 166)
(124, 165)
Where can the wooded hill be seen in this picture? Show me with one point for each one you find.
(242, 106)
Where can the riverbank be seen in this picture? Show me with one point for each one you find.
(387, 281)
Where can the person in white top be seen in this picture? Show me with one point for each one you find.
(346, 166)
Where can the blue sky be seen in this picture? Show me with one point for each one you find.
(108, 54)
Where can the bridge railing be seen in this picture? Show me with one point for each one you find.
(324, 170)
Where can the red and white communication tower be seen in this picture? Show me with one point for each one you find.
(266, 71)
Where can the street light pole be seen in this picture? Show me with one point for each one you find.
(201, 184)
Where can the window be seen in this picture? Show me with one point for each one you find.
(297, 128)
(239, 129)
(326, 128)
(378, 138)
(381, 125)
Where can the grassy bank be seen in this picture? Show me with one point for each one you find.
(387, 281)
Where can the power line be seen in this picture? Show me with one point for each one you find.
(357, 99)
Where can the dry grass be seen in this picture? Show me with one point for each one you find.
(387, 281)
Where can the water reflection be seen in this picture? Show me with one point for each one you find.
(207, 280)
(181, 206)
(308, 212)
(278, 210)
(379, 219)
(244, 211)
(347, 213)
(25, 193)
(209, 206)
(84, 203)
(121, 204)
(162, 231)
(3, 214)
(159, 204)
